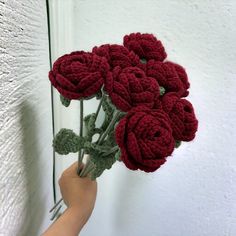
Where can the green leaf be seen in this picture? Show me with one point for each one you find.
(101, 164)
(110, 139)
(143, 60)
(89, 122)
(66, 141)
(99, 95)
(117, 155)
(95, 149)
(65, 101)
(162, 90)
(109, 109)
(177, 143)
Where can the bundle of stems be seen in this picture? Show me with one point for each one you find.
(83, 159)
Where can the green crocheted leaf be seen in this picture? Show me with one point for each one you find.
(143, 60)
(99, 95)
(89, 122)
(64, 101)
(101, 163)
(162, 90)
(66, 141)
(90, 126)
(109, 109)
(117, 155)
(95, 149)
(177, 143)
(102, 157)
(110, 141)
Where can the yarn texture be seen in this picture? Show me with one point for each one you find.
(167, 77)
(145, 139)
(79, 74)
(117, 55)
(130, 87)
(143, 97)
(182, 116)
(146, 46)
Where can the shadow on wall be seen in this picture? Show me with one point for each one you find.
(34, 207)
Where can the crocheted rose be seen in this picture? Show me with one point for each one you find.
(79, 74)
(182, 76)
(182, 117)
(145, 139)
(167, 77)
(130, 87)
(146, 46)
(117, 55)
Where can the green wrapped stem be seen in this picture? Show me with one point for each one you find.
(87, 168)
(110, 126)
(80, 157)
(99, 106)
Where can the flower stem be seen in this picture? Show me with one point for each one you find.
(113, 149)
(80, 157)
(81, 153)
(110, 126)
(86, 168)
(89, 169)
(99, 106)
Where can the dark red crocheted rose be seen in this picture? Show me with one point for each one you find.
(130, 87)
(145, 138)
(166, 76)
(79, 74)
(182, 117)
(182, 75)
(146, 46)
(117, 55)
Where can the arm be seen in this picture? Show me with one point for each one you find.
(79, 194)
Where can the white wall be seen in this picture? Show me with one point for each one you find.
(25, 119)
(194, 193)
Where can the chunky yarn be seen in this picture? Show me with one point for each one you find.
(166, 76)
(182, 117)
(142, 95)
(66, 141)
(79, 74)
(117, 55)
(145, 139)
(182, 76)
(146, 46)
(130, 87)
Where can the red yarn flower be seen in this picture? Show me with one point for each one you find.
(182, 76)
(145, 139)
(130, 87)
(168, 76)
(182, 117)
(79, 74)
(117, 55)
(146, 46)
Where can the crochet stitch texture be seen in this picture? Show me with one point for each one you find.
(79, 74)
(143, 95)
(145, 138)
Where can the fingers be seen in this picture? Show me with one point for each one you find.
(72, 170)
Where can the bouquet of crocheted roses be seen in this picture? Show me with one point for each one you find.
(143, 99)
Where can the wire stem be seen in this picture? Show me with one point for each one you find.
(113, 149)
(99, 106)
(110, 126)
(80, 156)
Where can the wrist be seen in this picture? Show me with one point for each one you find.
(69, 223)
(78, 213)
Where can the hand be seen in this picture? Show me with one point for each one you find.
(79, 193)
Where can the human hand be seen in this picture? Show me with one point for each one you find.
(79, 193)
